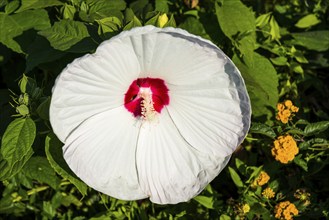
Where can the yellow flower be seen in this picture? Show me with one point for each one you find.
(162, 20)
(245, 208)
(285, 149)
(285, 210)
(262, 179)
(288, 103)
(268, 193)
(285, 111)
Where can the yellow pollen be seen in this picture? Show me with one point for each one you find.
(148, 111)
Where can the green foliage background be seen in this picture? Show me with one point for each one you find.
(280, 46)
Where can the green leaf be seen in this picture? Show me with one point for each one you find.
(43, 109)
(194, 26)
(224, 217)
(153, 20)
(300, 162)
(16, 145)
(313, 40)
(55, 157)
(105, 8)
(12, 6)
(238, 23)
(234, 17)
(14, 25)
(34, 4)
(235, 177)
(275, 29)
(317, 127)
(23, 110)
(171, 22)
(264, 129)
(207, 202)
(242, 167)
(162, 6)
(135, 22)
(38, 168)
(27, 84)
(108, 24)
(262, 82)
(307, 21)
(40, 52)
(65, 33)
(279, 61)
(68, 11)
(263, 20)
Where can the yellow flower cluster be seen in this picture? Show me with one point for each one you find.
(286, 111)
(268, 193)
(285, 210)
(285, 149)
(262, 179)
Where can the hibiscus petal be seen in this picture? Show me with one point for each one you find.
(90, 85)
(96, 153)
(169, 169)
(175, 55)
(214, 115)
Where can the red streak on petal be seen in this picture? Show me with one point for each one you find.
(160, 95)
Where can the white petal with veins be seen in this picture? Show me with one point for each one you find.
(101, 159)
(90, 85)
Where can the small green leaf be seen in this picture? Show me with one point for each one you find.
(68, 11)
(307, 21)
(263, 20)
(224, 217)
(314, 128)
(38, 168)
(108, 24)
(153, 20)
(264, 129)
(34, 4)
(235, 177)
(22, 110)
(171, 22)
(135, 22)
(55, 157)
(275, 29)
(11, 6)
(207, 202)
(300, 162)
(16, 145)
(279, 61)
(65, 33)
(43, 109)
(27, 84)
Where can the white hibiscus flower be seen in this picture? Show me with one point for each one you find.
(152, 113)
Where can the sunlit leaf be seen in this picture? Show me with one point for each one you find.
(16, 145)
(65, 33)
(235, 177)
(34, 4)
(307, 21)
(262, 82)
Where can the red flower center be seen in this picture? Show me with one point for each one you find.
(146, 97)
